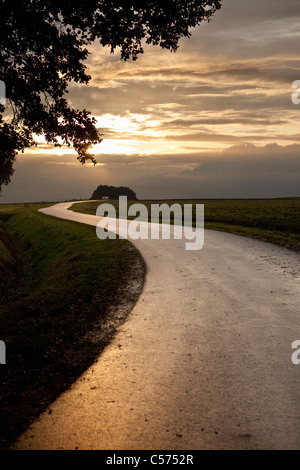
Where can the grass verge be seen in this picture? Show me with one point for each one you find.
(272, 220)
(64, 294)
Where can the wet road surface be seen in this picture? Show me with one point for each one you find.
(202, 362)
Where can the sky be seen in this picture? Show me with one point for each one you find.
(213, 120)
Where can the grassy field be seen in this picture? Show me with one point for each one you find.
(272, 220)
(58, 282)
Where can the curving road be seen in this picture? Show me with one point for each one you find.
(202, 362)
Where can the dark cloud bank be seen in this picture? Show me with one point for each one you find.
(244, 171)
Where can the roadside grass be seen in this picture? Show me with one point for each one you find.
(59, 285)
(5, 255)
(272, 220)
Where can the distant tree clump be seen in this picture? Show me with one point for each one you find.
(111, 192)
(43, 46)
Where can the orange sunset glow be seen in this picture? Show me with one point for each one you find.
(173, 122)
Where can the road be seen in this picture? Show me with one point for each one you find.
(202, 362)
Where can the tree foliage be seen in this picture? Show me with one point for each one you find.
(112, 192)
(43, 47)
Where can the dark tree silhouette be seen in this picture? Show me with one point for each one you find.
(112, 192)
(43, 49)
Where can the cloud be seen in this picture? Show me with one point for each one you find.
(213, 120)
(239, 171)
